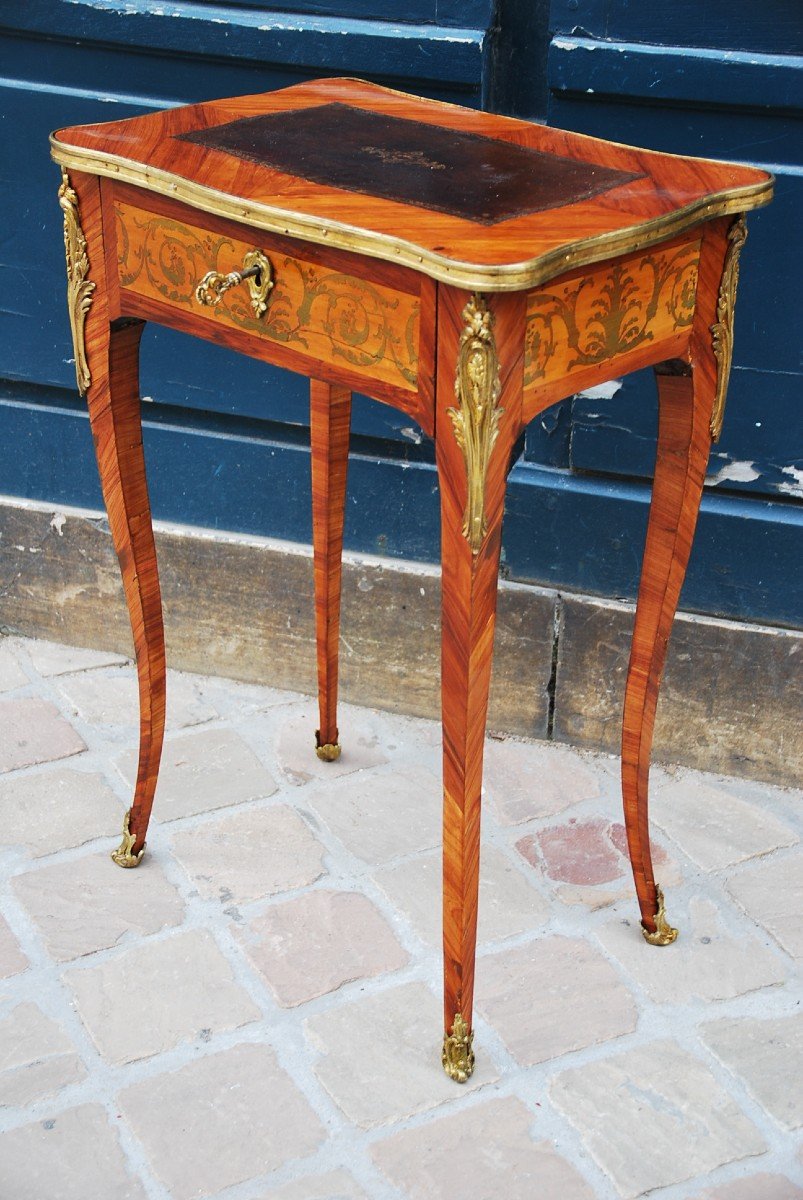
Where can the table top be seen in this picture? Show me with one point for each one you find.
(470, 198)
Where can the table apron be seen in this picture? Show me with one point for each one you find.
(333, 316)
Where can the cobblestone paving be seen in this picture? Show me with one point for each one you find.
(255, 1011)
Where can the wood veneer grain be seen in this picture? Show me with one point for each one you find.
(113, 402)
(330, 417)
(685, 404)
(669, 193)
(469, 591)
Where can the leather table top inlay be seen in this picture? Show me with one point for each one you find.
(480, 179)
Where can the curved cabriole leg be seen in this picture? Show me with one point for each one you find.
(107, 370)
(690, 396)
(682, 454)
(478, 419)
(330, 418)
(114, 414)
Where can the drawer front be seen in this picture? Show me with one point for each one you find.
(593, 316)
(330, 316)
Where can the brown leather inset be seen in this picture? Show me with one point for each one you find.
(482, 179)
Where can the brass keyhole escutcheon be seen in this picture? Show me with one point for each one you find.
(256, 272)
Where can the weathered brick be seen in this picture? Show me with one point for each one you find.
(380, 1055)
(481, 1152)
(201, 771)
(220, 1120)
(12, 959)
(334, 1185)
(295, 747)
(715, 827)
(112, 698)
(52, 810)
(586, 853)
(381, 817)
(657, 1096)
(768, 1055)
(37, 1059)
(551, 996)
(158, 994)
(577, 852)
(34, 732)
(508, 903)
(240, 858)
(706, 962)
(533, 779)
(51, 658)
(74, 1155)
(313, 944)
(771, 892)
(754, 1187)
(89, 904)
(11, 673)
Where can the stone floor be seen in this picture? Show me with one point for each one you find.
(255, 1011)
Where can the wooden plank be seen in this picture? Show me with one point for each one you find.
(295, 40)
(737, 25)
(461, 13)
(683, 73)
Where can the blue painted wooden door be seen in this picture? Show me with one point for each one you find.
(227, 438)
(721, 80)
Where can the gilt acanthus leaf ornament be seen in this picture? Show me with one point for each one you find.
(476, 421)
(79, 288)
(722, 329)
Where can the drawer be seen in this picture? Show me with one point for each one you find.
(593, 316)
(313, 311)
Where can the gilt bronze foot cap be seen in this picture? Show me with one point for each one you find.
(664, 934)
(458, 1055)
(326, 751)
(123, 855)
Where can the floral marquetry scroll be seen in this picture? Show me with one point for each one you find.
(593, 316)
(329, 315)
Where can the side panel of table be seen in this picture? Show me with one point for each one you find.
(603, 321)
(347, 319)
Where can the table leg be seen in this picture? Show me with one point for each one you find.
(477, 422)
(690, 396)
(107, 368)
(114, 415)
(330, 418)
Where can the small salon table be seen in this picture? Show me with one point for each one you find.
(466, 268)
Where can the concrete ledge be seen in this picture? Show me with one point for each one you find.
(243, 607)
(730, 701)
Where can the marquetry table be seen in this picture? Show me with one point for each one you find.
(470, 270)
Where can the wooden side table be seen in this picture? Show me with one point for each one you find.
(466, 268)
